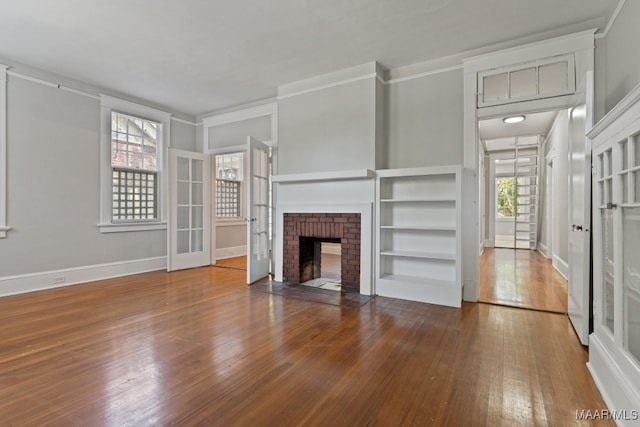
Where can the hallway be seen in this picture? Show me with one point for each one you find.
(521, 278)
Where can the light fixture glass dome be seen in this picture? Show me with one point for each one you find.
(514, 119)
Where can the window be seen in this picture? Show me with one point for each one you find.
(134, 142)
(134, 166)
(535, 80)
(505, 200)
(229, 174)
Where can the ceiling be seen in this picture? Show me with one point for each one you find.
(495, 134)
(197, 56)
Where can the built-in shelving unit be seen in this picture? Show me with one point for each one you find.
(419, 220)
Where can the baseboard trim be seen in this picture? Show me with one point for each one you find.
(544, 250)
(230, 252)
(617, 392)
(561, 265)
(20, 284)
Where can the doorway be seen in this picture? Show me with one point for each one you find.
(516, 265)
(243, 204)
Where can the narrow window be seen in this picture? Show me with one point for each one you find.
(229, 173)
(134, 168)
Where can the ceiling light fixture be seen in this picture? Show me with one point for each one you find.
(514, 119)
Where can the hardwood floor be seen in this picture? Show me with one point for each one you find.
(521, 278)
(198, 347)
(238, 262)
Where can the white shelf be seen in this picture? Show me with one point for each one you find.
(419, 228)
(414, 279)
(418, 246)
(420, 254)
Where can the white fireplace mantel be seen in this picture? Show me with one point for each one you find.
(324, 176)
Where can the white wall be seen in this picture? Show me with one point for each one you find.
(425, 121)
(556, 149)
(53, 184)
(332, 129)
(622, 63)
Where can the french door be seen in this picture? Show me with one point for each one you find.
(258, 251)
(190, 210)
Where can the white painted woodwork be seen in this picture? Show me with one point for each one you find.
(614, 344)
(325, 176)
(3, 152)
(579, 261)
(258, 251)
(579, 44)
(418, 247)
(189, 226)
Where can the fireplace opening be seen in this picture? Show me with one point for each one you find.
(320, 263)
(303, 236)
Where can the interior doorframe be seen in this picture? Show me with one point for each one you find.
(580, 44)
(267, 108)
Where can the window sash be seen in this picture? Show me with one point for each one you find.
(228, 194)
(135, 195)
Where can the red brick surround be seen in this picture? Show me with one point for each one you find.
(342, 226)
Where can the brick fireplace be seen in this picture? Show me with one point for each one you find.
(303, 233)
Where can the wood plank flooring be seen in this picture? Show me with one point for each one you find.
(198, 347)
(238, 262)
(521, 278)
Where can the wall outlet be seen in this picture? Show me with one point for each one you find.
(58, 279)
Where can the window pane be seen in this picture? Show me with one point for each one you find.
(183, 218)
(183, 169)
(495, 87)
(183, 193)
(523, 83)
(607, 268)
(631, 280)
(197, 194)
(183, 242)
(133, 142)
(196, 166)
(553, 77)
(131, 192)
(227, 198)
(196, 217)
(196, 241)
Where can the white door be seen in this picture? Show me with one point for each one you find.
(580, 122)
(189, 197)
(258, 259)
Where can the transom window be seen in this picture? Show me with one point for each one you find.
(134, 164)
(535, 80)
(229, 174)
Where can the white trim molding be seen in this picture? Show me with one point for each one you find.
(324, 176)
(186, 122)
(230, 252)
(3, 152)
(264, 110)
(12, 285)
(618, 392)
(612, 20)
(560, 265)
(109, 104)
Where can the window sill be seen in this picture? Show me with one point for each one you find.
(132, 226)
(3, 231)
(230, 222)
